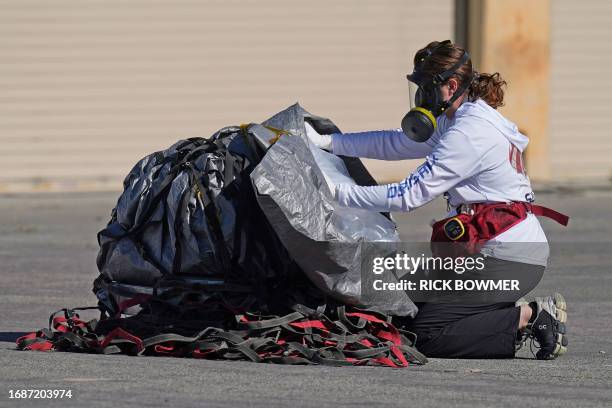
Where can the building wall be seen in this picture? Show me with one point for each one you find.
(89, 87)
(580, 145)
(516, 42)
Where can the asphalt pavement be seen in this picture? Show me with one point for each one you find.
(47, 261)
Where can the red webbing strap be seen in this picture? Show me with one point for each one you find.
(549, 213)
(285, 339)
(34, 341)
(64, 325)
(386, 361)
(394, 337)
(119, 333)
(368, 317)
(316, 324)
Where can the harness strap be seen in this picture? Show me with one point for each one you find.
(535, 209)
(549, 213)
(274, 339)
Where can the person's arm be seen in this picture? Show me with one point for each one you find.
(381, 144)
(378, 144)
(453, 160)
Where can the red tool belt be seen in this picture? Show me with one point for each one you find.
(481, 222)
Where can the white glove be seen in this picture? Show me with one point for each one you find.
(321, 141)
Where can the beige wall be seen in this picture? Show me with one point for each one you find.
(581, 111)
(89, 87)
(556, 56)
(513, 38)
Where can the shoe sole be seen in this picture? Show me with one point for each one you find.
(560, 304)
(522, 301)
(561, 316)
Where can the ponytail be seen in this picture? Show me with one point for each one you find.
(488, 87)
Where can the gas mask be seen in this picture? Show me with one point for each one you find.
(426, 102)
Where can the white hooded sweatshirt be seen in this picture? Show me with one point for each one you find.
(475, 156)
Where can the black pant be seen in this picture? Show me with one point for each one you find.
(466, 331)
(456, 330)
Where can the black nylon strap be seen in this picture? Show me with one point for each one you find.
(28, 342)
(451, 71)
(163, 338)
(361, 323)
(367, 353)
(279, 321)
(260, 341)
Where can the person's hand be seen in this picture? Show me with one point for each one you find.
(321, 141)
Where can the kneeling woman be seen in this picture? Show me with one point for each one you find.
(474, 155)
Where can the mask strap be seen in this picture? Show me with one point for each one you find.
(458, 93)
(442, 77)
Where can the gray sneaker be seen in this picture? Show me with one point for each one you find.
(548, 327)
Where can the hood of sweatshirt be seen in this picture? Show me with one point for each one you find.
(482, 110)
